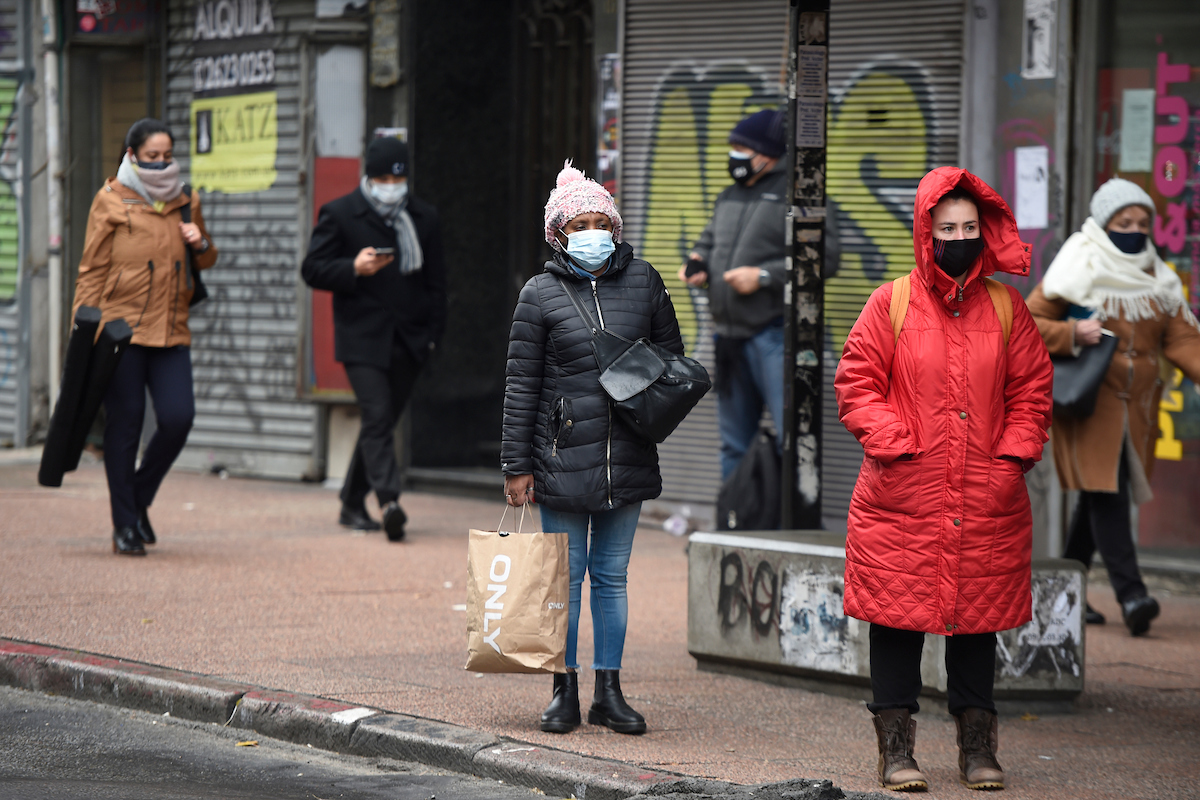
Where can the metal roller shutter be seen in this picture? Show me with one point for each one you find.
(12, 364)
(894, 80)
(244, 338)
(691, 71)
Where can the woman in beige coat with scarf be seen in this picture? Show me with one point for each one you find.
(1109, 275)
(135, 267)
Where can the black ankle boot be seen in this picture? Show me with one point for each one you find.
(609, 707)
(562, 715)
(127, 542)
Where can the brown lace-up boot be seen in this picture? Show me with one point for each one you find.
(898, 770)
(978, 741)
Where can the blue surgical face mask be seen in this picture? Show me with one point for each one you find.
(591, 248)
(1131, 243)
(389, 193)
(153, 164)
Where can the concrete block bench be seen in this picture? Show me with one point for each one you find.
(771, 603)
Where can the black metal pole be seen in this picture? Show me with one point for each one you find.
(804, 300)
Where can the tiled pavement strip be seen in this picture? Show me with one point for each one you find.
(253, 585)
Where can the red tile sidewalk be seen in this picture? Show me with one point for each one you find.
(252, 582)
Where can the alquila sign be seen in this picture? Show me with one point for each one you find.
(227, 57)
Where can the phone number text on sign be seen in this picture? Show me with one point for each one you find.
(233, 70)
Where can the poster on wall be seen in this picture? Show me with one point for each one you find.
(1033, 187)
(234, 110)
(608, 151)
(1039, 44)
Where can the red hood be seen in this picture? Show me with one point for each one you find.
(1003, 252)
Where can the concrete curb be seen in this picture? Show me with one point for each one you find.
(328, 724)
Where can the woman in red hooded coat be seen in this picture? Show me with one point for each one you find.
(949, 416)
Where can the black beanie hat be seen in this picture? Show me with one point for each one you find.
(762, 132)
(386, 155)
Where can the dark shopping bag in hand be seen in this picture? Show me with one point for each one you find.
(651, 388)
(518, 594)
(1077, 379)
(751, 497)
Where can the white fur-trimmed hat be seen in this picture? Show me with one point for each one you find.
(1115, 194)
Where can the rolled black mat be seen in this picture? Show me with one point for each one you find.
(70, 395)
(105, 356)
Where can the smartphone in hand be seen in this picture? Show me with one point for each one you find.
(385, 251)
(695, 265)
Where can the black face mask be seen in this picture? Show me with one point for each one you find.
(1131, 243)
(955, 256)
(153, 164)
(742, 169)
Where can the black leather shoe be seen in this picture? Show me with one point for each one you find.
(393, 521)
(357, 519)
(609, 707)
(562, 715)
(1092, 617)
(127, 542)
(1137, 613)
(144, 531)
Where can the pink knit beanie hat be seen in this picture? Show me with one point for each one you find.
(573, 195)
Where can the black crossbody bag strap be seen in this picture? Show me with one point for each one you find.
(199, 291)
(577, 301)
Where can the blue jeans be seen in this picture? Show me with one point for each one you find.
(758, 380)
(607, 562)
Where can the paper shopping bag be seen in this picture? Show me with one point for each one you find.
(517, 601)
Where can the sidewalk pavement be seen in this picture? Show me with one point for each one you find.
(253, 584)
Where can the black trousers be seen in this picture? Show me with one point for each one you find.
(167, 373)
(1101, 522)
(896, 670)
(382, 396)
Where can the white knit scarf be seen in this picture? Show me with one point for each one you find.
(1090, 271)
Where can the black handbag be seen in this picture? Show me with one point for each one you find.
(651, 388)
(1077, 379)
(199, 291)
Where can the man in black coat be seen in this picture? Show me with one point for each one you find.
(379, 251)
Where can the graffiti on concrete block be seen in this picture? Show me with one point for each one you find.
(1049, 646)
(814, 631)
(748, 597)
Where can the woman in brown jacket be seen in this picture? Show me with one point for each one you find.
(1109, 275)
(135, 267)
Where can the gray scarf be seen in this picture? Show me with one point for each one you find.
(409, 257)
(158, 186)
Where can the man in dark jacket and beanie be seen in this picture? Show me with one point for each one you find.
(379, 250)
(740, 255)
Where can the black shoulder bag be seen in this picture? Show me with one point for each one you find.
(199, 292)
(1077, 379)
(651, 388)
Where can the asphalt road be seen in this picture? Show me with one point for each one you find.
(59, 749)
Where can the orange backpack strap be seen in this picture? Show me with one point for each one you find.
(898, 308)
(1002, 301)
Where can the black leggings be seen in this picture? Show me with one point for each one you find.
(896, 670)
(167, 373)
(1102, 522)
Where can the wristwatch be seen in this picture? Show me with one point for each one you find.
(764, 278)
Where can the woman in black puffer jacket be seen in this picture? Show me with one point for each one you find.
(564, 447)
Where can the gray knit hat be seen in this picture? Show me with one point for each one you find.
(1115, 194)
